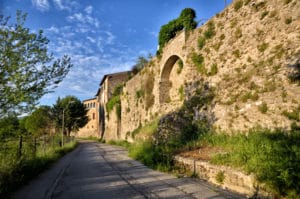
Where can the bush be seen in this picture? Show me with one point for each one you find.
(169, 30)
(187, 17)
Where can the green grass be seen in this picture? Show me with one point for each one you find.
(272, 156)
(16, 172)
(122, 143)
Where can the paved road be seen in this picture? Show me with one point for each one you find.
(96, 170)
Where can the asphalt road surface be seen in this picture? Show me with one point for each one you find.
(95, 170)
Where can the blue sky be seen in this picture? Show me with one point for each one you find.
(101, 36)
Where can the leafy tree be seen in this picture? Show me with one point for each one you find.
(40, 121)
(27, 70)
(187, 17)
(74, 113)
(9, 126)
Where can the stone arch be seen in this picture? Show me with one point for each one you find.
(165, 84)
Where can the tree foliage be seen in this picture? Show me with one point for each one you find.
(27, 70)
(184, 21)
(9, 126)
(40, 121)
(74, 114)
(140, 64)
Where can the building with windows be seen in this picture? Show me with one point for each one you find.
(91, 129)
(97, 106)
(106, 88)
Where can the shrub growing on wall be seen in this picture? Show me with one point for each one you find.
(169, 30)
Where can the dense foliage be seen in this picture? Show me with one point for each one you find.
(40, 121)
(27, 70)
(184, 21)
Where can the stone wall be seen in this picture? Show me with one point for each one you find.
(252, 48)
(231, 179)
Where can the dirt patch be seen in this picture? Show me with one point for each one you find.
(204, 153)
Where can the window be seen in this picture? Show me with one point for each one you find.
(93, 116)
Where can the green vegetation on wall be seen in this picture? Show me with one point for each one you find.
(168, 31)
(198, 61)
(115, 101)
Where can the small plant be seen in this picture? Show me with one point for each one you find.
(288, 20)
(180, 66)
(287, 1)
(237, 5)
(263, 108)
(181, 92)
(198, 60)
(264, 14)
(259, 5)
(236, 53)
(201, 42)
(210, 31)
(261, 48)
(139, 94)
(220, 177)
(213, 69)
(293, 115)
(222, 37)
(238, 33)
(278, 51)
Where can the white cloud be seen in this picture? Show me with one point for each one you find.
(84, 19)
(110, 38)
(65, 5)
(88, 9)
(42, 5)
(92, 40)
(53, 29)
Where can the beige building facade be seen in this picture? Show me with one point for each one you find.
(97, 105)
(91, 129)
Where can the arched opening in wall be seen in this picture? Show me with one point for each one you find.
(170, 79)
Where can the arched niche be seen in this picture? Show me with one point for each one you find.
(165, 83)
